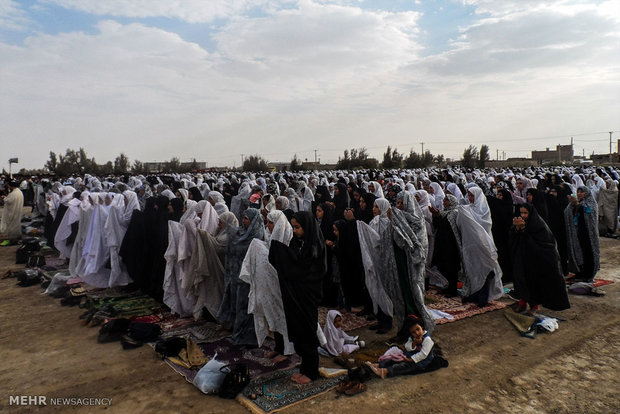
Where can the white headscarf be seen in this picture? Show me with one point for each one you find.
(210, 220)
(378, 189)
(168, 193)
(282, 230)
(132, 204)
(190, 211)
(438, 194)
(220, 205)
(456, 192)
(381, 222)
(335, 337)
(480, 209)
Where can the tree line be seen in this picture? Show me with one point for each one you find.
(77, 162)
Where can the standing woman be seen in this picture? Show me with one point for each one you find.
(536, 263)
(233, 313)
(341, 200)
(301, 267)
(582, 235)
(331, 285)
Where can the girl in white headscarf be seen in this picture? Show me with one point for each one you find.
(375, 188)
(294, 201)
(456, 192)
(306, 198)
(217, 201)
(480, 208)
(339, 343)
(438, 194)
(380, 221)
(190, 211)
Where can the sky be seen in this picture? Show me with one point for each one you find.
(220, 79)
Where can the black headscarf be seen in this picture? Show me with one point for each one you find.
(313, 245)
(367, 214)
(196, 194)
(538, 200)
(177, 209)
(341, 200)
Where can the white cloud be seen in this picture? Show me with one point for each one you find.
(12, 16)
(192, 11)
(320, 41)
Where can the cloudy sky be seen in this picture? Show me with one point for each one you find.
(214, 79)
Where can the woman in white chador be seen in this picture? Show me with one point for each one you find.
(204, 281)
(265, 298)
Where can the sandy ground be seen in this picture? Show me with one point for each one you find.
(46, 350)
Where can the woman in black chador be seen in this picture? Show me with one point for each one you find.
(536, 267)
(301, 267)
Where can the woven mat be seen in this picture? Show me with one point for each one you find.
(276, 392)
(350, 321)
(456, 308)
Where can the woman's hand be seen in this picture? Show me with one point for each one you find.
(348, 214)
(519, 223)
(433, 211)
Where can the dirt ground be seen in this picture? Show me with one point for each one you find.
(46, 350)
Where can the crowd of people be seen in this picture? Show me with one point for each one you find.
(259, 253)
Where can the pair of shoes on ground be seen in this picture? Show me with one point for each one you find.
(350, 388)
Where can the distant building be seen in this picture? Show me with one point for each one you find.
(562, 153)
(511, 162)
(153, 167)
(194, 165)
(156, 167)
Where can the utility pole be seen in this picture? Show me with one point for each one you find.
(559, 153)
(422, 148)
(610, 133)
(315, 156)
(572, 149)
(497, 154)
(241, 160)
(504, 155)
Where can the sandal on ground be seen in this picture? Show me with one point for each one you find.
(355, 389)
(344, 385)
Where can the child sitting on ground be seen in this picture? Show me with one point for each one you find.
(416, 358)
(338, 343)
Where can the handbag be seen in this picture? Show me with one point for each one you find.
(235, 380)
(35, 260)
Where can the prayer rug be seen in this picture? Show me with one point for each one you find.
(127, 306)
(56, 262)
(199, 332)
(229, 353)
(597, 282)
(350, 321)
(276, 391)
(456, 308)
(602, 282)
